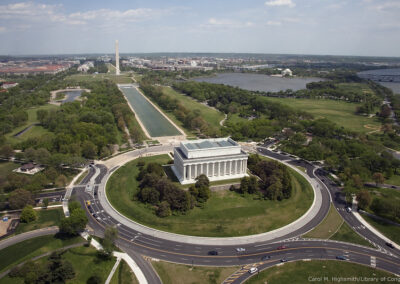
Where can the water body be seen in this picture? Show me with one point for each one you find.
(387, 77)
(71, 96)
(154, 122)
(258, 82)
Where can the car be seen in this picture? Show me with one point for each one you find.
(348, 209)
(390, 245)
(283, 260)
(212, 252)
(393, 186)
(240, 249)
(281, 247)
(266, 257)
(253, 270)
(341, 257)
(94, 215)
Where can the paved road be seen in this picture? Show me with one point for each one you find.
(134, 242)
(28, 235)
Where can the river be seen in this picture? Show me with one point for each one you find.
(259, 82)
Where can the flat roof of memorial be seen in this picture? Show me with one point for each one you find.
(210, 143)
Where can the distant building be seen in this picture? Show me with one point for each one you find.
(218, 159)
(287, 72)
(7, 85)
(86, 66)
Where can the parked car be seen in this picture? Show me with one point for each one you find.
(253, 270)
(212, 252)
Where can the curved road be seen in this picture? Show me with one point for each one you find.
(136, 243)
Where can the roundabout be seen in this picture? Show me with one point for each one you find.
(136, 239)
(225, 214)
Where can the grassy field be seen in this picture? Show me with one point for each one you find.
(301, 272)
(394, 179)
(390, 231)
(46, 218)
(17, 253)
(7, 167)
(35, 130)
(359, 88)
(171, 273)
(85, 262)
(124, 275)
(347, 234)
(121, 79)
(328, 226)
(333, 227)
(211, 115)
(340, 112)
(231, 213)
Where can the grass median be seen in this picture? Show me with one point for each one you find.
(225, 214)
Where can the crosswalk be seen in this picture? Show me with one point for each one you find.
(373, 261)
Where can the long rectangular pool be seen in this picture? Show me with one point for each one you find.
(154, 122)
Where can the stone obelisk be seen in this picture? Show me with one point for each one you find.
(117, 72)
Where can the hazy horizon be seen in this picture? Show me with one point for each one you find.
(293, 27)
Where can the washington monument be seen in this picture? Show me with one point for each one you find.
(116, 58)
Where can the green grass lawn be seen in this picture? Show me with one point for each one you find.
(85, 262)
(232, 214)
(171, 273)
(7, 168)
(340, 112)
(390, 231)
(121, 79)
(211, 115)
(328, 226)
(34, 131)
(124, 275)
(25, 250)
(333, 227)
(300, 272)
(46, 218)
(347, 234)
(394, 179)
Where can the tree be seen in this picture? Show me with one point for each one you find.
(61, 181)
(378, 178)
(363, 199)
(45, 202)
(94, 279)
(164, 210)
(6, 151)
(75, 223)
(28, 214)
(72, 205)
(202, 180)
(20, 198)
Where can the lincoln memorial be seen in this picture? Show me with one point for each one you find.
(218, 159)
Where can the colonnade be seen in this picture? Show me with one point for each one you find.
(214, 168)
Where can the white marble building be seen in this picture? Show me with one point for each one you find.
(218, 159)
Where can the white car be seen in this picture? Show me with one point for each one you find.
(253, 270)
(348, 209)
(240, 249)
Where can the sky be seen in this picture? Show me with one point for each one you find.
(334, 27)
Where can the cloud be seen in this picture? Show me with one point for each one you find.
(274, 23)
(288, 3)
(226, 23)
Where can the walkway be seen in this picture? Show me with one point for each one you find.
(28, 235)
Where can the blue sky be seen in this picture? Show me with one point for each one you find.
(337, 27)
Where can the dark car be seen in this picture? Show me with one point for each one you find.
(390, 245)
(266, 257)
(341, 257)
(212, 252)
(281, 247)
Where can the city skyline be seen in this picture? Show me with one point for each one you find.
(360, 27)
